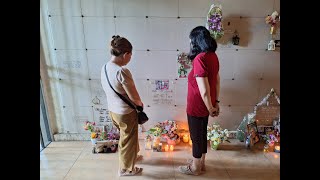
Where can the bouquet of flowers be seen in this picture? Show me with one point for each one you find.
(217, 135)
(89, 126)
(272, 20)
(166, 129)
(214, 22)
(270, 139)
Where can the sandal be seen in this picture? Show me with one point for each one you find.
(187, 170)
(130, 173)
(203, 168)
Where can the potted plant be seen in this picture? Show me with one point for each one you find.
(216, 135)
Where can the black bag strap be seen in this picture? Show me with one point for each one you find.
(133, 106)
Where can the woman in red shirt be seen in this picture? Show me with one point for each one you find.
(203, 95)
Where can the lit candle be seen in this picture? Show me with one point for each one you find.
(185, 138)
(171, 147)
(277, 149)
(166, 148)
(190, 142)
(159, 147)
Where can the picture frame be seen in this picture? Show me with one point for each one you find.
(252, 131)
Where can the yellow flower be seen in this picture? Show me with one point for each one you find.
(93, 135)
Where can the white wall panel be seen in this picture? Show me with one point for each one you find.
(157, 114)
(162, 8)
(271, 70)
(247, 8)
(154, 64)
(67, 32)
(184, 26)
(143, 87)
(98, 32)
(163, 34)
(75, 118)
(181, 92)
(136, 30)
(75, 92)
(253, 32)
(131, 8)
(277, 6)
(96, 59)
(191, 8)
(265, 87)
(228, 118)
(97, 7)
(97, 92)
(239, 92)
(227, 66)
(249, 64)
(72, 64)
(64, 8)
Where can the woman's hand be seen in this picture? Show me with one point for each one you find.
(212, 111)
(218, 109)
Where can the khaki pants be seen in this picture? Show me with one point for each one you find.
(128, 142)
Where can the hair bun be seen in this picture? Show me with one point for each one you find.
(115, 37)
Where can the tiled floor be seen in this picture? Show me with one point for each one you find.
(74, 160)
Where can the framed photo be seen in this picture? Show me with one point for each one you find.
(252, 131)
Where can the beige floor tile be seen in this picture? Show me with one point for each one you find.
(248, 173)
(72, 144)
(52, 174)
(102, 173)
(96, 164)
(59, 156)
(74, 160)
(56, 164)
(62, 150)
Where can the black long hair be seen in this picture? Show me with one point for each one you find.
(201, 41)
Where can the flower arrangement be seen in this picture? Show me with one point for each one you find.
(270, 138)
(166, 129)
(89, 126)
(217, 135)
(272, 20)
(96, 133)
(214, 22)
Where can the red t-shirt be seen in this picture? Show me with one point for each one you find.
(204, 65)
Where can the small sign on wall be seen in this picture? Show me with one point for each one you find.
(162, 92)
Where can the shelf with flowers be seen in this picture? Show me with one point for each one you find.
(216, 135)
(100, 135)
(167, 130)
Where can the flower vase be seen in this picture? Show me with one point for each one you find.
(156, 141)
(94, 141)
(214, 146)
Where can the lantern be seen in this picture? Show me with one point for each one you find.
(148, 143)
(185, 138)
(171, 147)
(235, 38)
(166, 148)
(271, 45)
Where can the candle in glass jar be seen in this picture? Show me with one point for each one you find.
(277, 149)
(185, 138)
(171, 147)
(166, 148)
